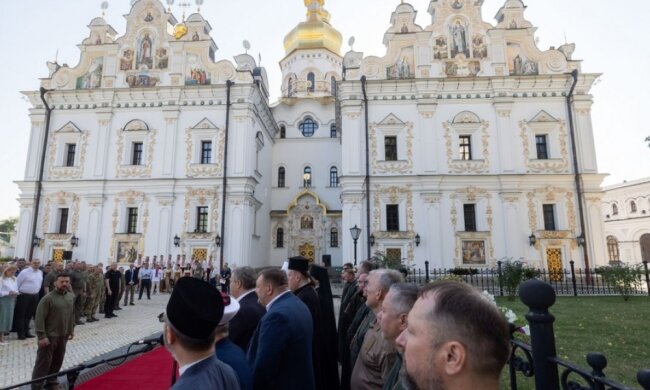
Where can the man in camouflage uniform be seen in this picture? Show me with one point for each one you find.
(78, 283)
(102, 296)
(92, 294)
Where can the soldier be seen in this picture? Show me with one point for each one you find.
(100, 291)
(48, 282)
(102, 299)
(92, 295)
(78, 283)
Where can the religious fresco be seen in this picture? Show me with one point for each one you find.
(92, 79)
(440, 50)
(127, 251)
(479, 47)
(462, 68)
(142, 79)
(459, 42)
(126, 62)
(518, 63)
(307, 222)
(144, 56)
(473, 252)
(457, 4)
(195, 74)
(162, 59)
(404, 67)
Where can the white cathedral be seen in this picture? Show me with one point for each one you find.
(463, 145)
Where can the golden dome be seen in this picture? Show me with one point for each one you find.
(316, 32)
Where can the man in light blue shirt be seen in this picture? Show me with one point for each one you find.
(145, 280)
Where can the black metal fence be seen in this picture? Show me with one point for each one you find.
(570, 281)
(539, 359)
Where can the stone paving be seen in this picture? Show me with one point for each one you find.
(91, 340)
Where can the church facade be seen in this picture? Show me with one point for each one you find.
(463, 145)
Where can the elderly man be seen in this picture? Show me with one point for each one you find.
(455, 338)
(354, 313)
(280, 351)
(29, 283)
(377, 355)
(242, 287)
(393, 320)
(193, 313)
(54, 327)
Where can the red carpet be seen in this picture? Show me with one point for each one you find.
(153, 370)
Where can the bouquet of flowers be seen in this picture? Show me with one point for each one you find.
(510, 315)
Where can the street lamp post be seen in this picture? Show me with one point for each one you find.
(355, 232)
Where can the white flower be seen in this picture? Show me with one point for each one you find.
(525, 330)
(489, 297)
(511, 316)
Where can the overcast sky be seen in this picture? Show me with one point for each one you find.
(609, 35)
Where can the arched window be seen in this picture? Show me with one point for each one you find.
(283, 132)
(312, 82)
(289, 87)
(333, 86)
(334, 238)
(334, 177)
(306, 177)
(614, 209)
(281, 175)
(633, 206)
(612, 249)
(333, 130)
(308, 127)
(279, 238)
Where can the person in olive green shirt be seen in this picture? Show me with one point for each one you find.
(54, 327)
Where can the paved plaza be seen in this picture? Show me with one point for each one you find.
(91, 340)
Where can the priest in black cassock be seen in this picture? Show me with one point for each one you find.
(301, 284)
(329, 361)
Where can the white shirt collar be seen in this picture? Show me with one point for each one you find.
(185, 367)
(244, 294)
(268, 307)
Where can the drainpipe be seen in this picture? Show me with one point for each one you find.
(365, 106)
(576, 170)
(229, 85)
(39, 183)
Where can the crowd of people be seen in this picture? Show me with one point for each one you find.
(276, 329)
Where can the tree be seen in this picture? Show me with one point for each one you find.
(7, 226)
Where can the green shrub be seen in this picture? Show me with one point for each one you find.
(459, 271)
(623, 278)
(513, 273)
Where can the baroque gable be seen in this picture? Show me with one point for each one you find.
(459, 43)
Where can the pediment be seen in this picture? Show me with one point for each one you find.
(136, 125)
(391, 120)
(543, 117)
(69, 127)
(205, 123)
(466, 117)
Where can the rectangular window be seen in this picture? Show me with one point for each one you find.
(542, 146)
(334, 238)
(392, 217)
(469, 212)
(549, 216)
(333, 131)
(132, 222)
(136, 157)
(334, 177)
(206, 152)
(465, 147)
(390, 148)
(70, 151)
(202, 219)
(63, 221)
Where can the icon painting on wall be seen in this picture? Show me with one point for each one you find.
(93, 78)
(473, 252)
(404, 67)
(459, 42)
(145, 51)
(519, 64)
(195, 74)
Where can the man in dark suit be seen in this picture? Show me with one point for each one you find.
(193, 313)
(131, 280)
(242, 287)
(280, 351)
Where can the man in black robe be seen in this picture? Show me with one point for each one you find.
(302, 286)
(329, 354)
